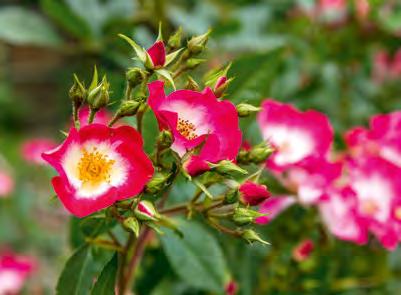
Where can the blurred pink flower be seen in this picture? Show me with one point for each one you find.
(6, 184)
(231, 287)
(295, 135)
(14, 271)
(362, 8)
(332, 11)
(32, 149)
(339, 214)
(303, 250)
(311, 178)
(382, 139)
(386, 67)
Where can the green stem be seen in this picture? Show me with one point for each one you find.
(128, 91)
(113, 120)
(138, 250)
(92, 114)
(75, 115)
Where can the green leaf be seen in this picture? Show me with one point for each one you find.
(66, 18)
(73, 278)
(20, 26)
(196, 258)
(105, 284)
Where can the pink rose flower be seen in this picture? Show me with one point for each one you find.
(369, 202)
(252, 193)
(339, 213)
(311, 178)
(32, 149)
(377, 187)
(295, 135)
(7, 184)
(382, 139)
(14, 271)
(303, 250)
(98, 166)
(196, 118)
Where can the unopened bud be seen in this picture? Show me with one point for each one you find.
(157, 183)
(174, 42)
(77, 92)
(128, 108)
(192, 63)
(227, 168)
(253, 194)
(197, 44)
(260, 152)
(132, 224)
(135, 76)
(303, 250)
(231, 196)
(243, 157)
(146, 211)
(243, 216)
(192, 85)
(165, 139)
(245, 109)
(221, 86)
(251, 236)
(99, 96)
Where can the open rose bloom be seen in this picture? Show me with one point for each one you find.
(14, 271)
(196, 118)
(98, 166)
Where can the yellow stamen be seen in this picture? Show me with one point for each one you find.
(186, 129)
(397, 212)
(94, 167)
(369, 207)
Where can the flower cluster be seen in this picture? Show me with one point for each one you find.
(357, 191)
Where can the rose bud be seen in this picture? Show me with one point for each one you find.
(146, 211)
(157, 183)
(245, 109)
(231, 287)
(135, 76)
(221, 86)
(251, 236)
(252, 193)
(243, 216)
(227, 168)
(303, 250)
(197, 44)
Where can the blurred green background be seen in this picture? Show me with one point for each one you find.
(278, 49)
